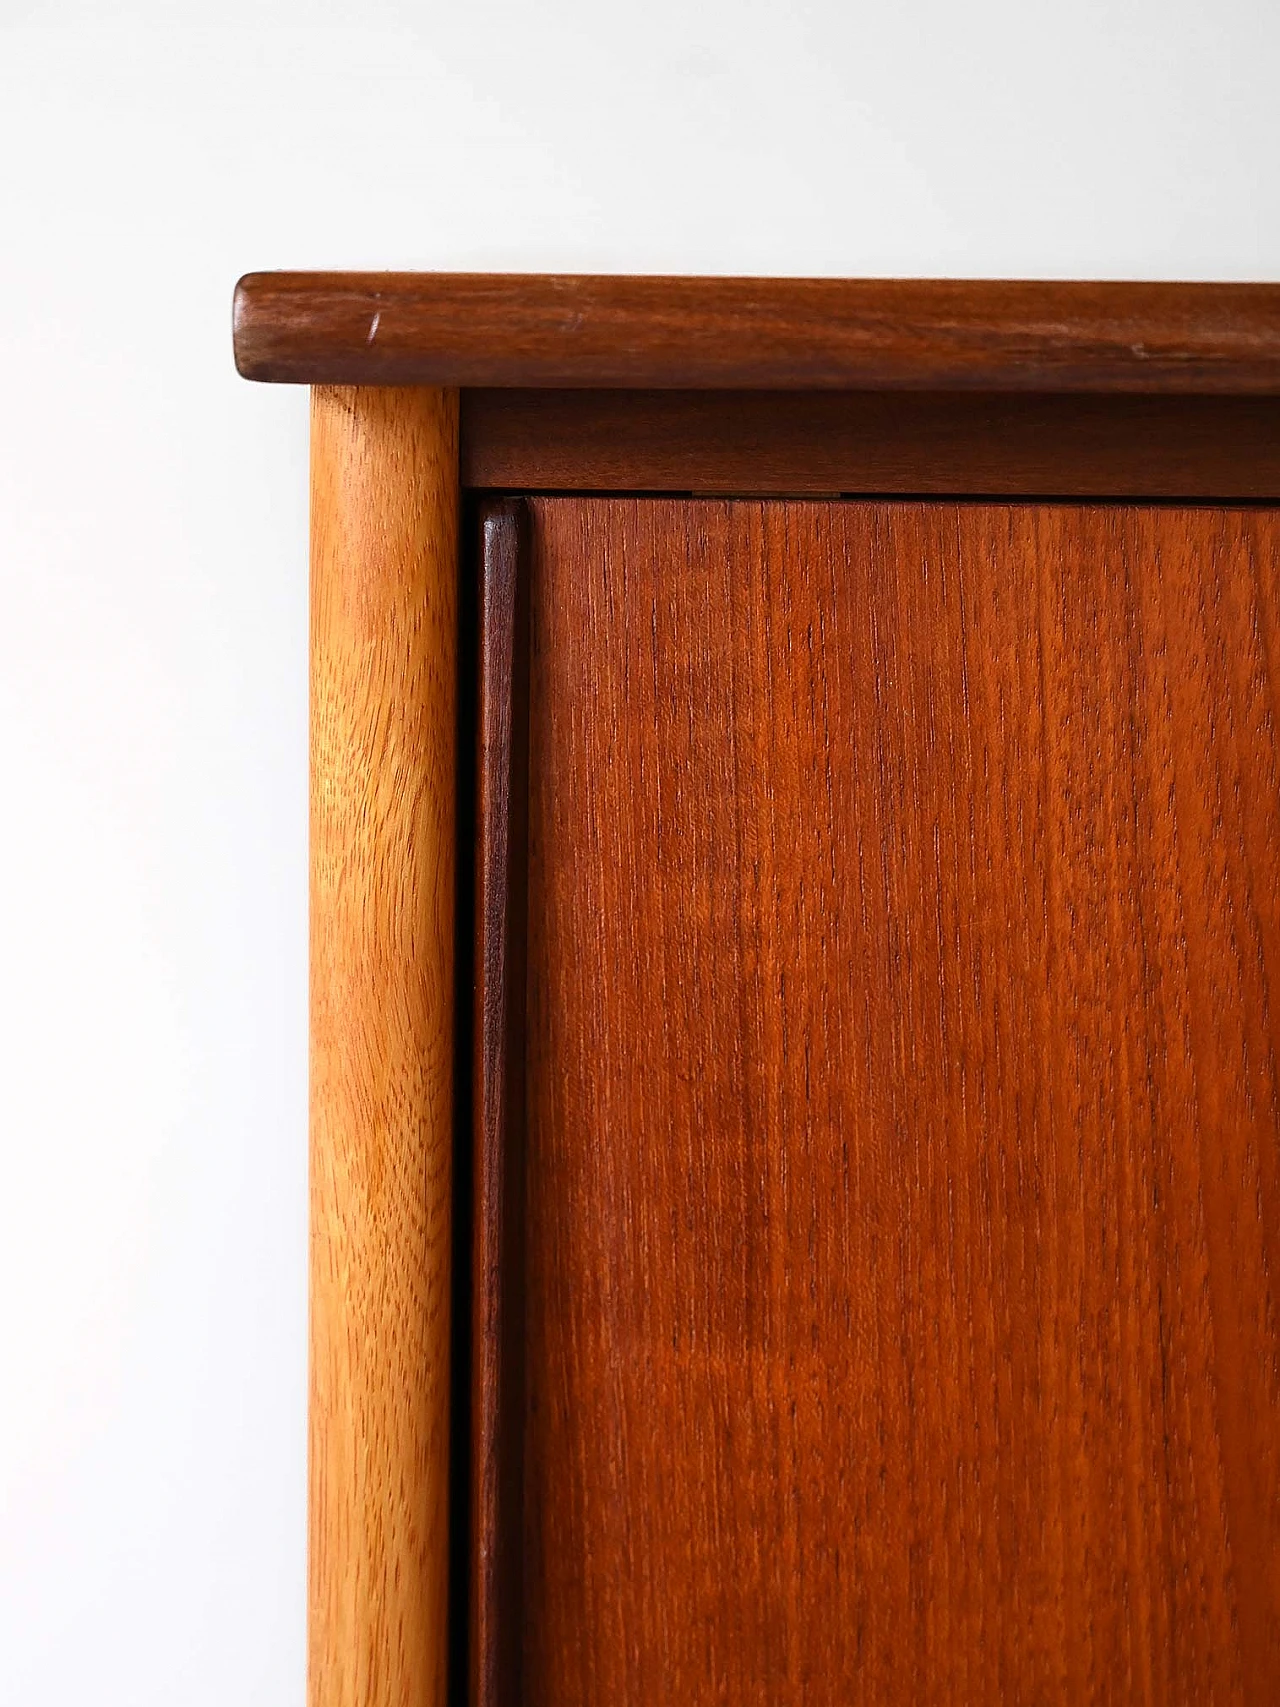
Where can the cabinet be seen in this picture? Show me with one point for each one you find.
(796, 907)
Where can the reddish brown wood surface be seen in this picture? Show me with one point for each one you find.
(871, 442)
(903, 1218)
(498, 1106)
(476, 329)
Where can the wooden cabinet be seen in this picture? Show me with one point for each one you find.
(796, 1136)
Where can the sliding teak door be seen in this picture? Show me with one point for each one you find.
(894, 1131)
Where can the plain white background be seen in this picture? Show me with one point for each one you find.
(153, 616)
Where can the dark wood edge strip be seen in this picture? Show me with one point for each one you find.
(473, 329)
(498, 1105)
(872, 442)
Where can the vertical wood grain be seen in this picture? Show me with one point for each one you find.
(383, 720)
(903, 1148)
(498, 1104)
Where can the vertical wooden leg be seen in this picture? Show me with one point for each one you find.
(384, 517)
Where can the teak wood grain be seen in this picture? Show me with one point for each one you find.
(475, 329)
(902, 1177)
(383, 715)
(758, 442)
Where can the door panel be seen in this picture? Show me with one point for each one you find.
(901, 1183)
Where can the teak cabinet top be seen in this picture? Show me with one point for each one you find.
(475, 329)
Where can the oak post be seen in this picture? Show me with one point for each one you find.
(384, 555)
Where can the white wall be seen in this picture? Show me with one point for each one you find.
(152, 616)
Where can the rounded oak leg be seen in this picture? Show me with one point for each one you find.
(384, 564)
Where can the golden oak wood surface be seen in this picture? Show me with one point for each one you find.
(383, 715)
(903, 1191)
